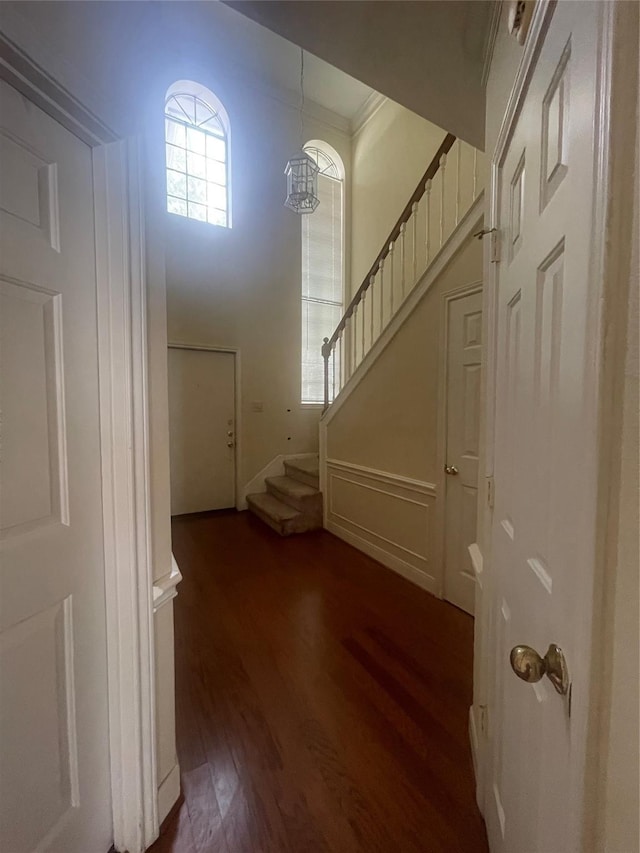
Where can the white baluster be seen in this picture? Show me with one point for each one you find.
(364, 294)
(333, 365)
(341, 363)
(372, 300)
(475, 173)
(347, 340)
(403, 229)
(391, 250)
(458, 146)
(443, 164)
(381, 268)
(427, 193)
(354, 331)
(414, 241)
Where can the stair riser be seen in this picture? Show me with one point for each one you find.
(311, 505)
(287, 527)
(301, 476)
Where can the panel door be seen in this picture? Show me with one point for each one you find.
(464, 348)
(201, 429)
(545, 441)
(54, 781)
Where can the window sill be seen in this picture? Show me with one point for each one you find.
(311, 405)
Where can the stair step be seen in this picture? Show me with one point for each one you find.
(305, 470)
(297, 494)
(281, 517)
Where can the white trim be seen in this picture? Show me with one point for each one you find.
(441, 434)
(473, 742)
(465, 228)
(386, 551)
(122, 356)
(164, 588)
(475, 555)
(366, 112)
(390, 561)
(490, 42)
(239, 496)
(421, 486)
(168, 792)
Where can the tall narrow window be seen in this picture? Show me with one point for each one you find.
(197, 152)
(322, 268)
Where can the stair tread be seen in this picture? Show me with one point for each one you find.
(274, 508)
(293, 488)
(308, 465)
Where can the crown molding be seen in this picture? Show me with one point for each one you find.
(366, 112)
(490, 42)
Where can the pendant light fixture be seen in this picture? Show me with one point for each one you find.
(301, 169)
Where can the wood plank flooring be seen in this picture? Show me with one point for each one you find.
(322, 701)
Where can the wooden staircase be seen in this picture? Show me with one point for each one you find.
(292, 503)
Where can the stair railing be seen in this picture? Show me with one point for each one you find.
(431, 215)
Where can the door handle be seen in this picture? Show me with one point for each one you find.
(229, 444)
(530, 667)
(451, 469)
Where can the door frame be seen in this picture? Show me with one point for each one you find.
(608, 300)
(441, 441)
(237, 408)
(121, 288)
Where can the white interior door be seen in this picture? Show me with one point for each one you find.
(54, 740)
(545, 439)
(202, 429)
(464, 348)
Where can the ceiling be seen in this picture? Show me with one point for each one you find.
(427, 55)
(274, 60)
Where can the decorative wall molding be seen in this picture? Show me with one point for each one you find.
(366, 112)
(385, 515)
(490, 43)
(36, 84)
(467, 226)
(164, 589)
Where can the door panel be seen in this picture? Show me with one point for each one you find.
(202, 429)
(54, 739)
(545, 447)
(464, 346)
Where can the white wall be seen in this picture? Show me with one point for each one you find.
(240, 287)
(390, 154)
(381, 441)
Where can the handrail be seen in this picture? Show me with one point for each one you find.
(433, 167)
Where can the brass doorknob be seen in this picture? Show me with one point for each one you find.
(451, 469)
(530, 667)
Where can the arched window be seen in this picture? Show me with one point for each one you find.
(322, 268)
(197, 152)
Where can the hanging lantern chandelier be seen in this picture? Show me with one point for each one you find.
(301, 170)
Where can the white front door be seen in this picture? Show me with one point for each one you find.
(54, 739)
(464, 349)
(202, 429)
(545, 439)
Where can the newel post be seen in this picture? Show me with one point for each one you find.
(326, 352)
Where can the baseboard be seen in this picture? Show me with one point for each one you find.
(168, 793)
(473, 740)
(396, 564)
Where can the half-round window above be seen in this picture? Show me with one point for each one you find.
(197, 152)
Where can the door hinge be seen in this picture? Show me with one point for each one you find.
(494, 246)
(494, 242)
(484, 718)
(490, 492)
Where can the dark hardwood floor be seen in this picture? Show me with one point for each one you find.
(322, 700)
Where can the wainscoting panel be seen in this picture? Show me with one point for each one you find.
(387, 516)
